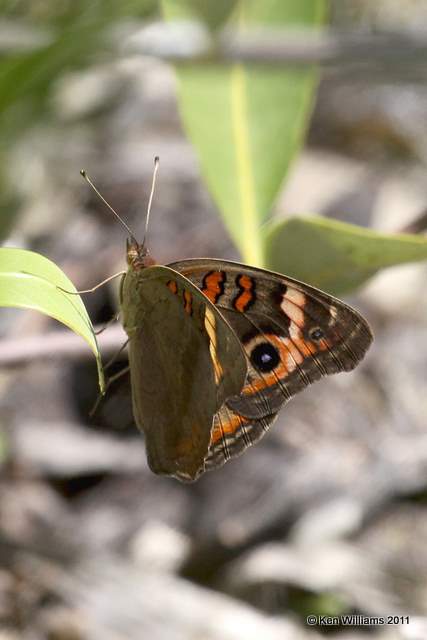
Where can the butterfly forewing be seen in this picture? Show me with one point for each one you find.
(292, 334)
(180, 378)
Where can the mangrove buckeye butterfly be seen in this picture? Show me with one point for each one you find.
(216, 348)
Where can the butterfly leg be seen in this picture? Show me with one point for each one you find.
(116, 355)
(108, 324)
(108, 384)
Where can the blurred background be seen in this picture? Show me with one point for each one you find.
(327, 514)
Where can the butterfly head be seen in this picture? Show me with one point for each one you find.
(137, 255)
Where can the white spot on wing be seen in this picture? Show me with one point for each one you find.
(294, 313)
(333, 313)
(294, 331)
(295, 296)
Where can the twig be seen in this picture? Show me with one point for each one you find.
(327, 47)
(177, 42)
(58, 345)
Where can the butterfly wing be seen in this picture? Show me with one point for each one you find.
(292, 334)
(185, 362)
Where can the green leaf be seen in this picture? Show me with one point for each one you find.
(31, 281)
(213, 14)
(335, 256)
(247, 121)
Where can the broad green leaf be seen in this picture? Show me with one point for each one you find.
(336, 256)
(247, 121)
(31, 281)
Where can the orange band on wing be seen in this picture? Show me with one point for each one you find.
(172, 286)
(188, 302)
(227, 427)
(246, 297)
(213, 285)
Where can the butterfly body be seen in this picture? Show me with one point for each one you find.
(216, 348)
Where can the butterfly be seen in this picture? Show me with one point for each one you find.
(216, 348)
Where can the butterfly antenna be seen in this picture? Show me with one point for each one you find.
(150, 200)
(89, 181)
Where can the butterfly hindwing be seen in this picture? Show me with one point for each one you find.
(232, 434)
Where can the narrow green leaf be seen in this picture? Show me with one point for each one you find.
(336, 256)
(77, 32)
(31, 281)
(247, 121)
